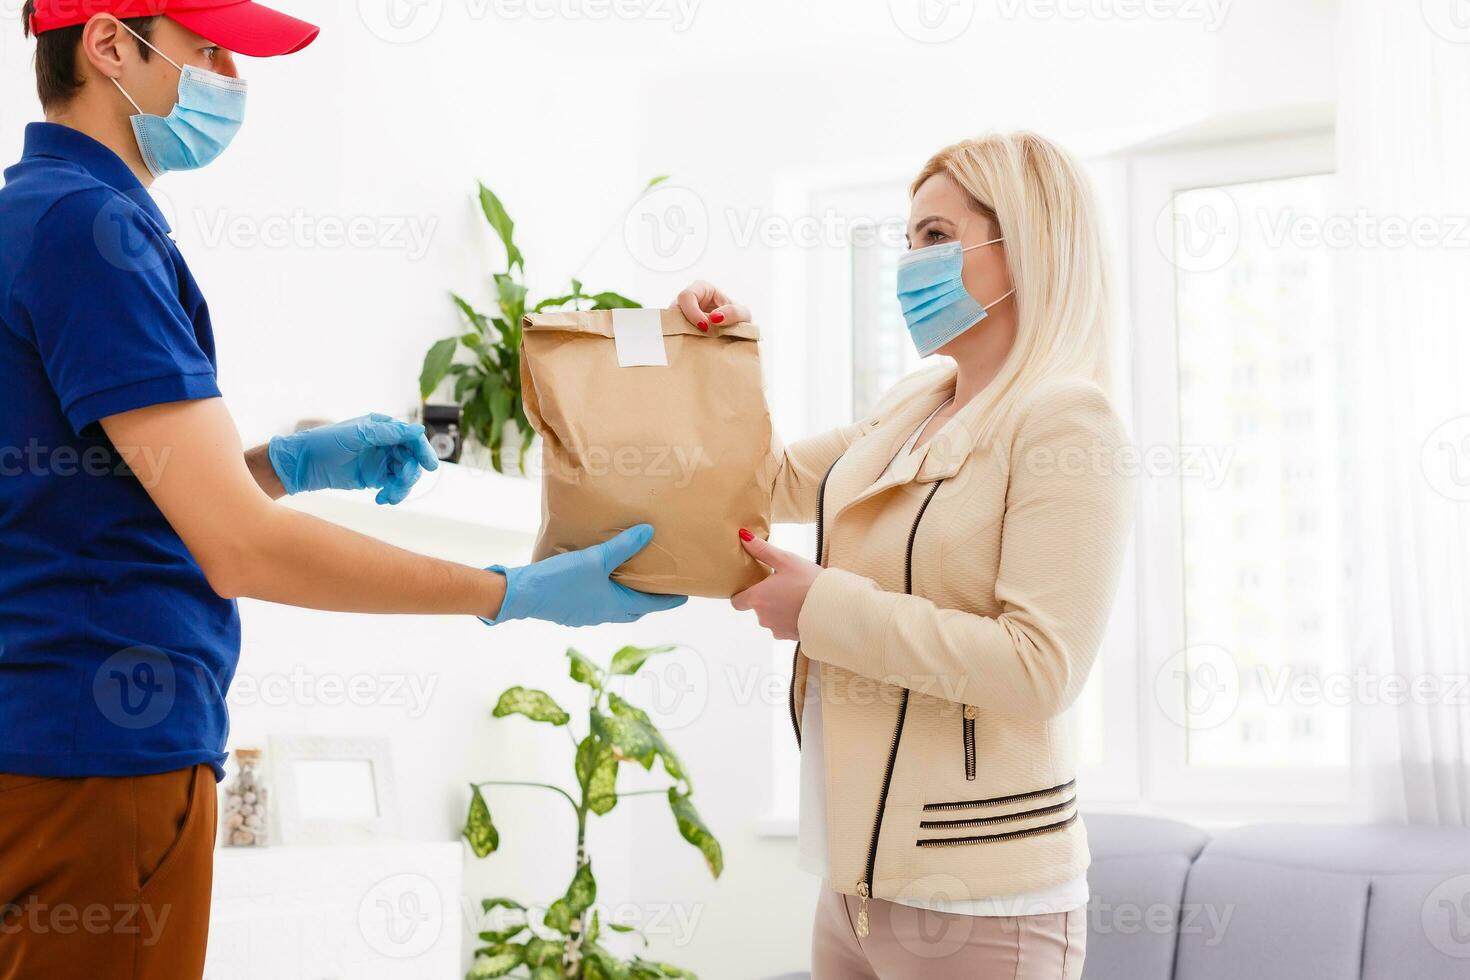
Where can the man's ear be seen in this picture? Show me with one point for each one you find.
(100, 46)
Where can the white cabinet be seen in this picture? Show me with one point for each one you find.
(381, 912)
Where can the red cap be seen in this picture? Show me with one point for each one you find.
(241, 26)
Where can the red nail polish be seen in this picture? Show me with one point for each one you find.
(717, 318)
(746, 535)
(704, 326)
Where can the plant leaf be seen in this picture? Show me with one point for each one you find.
(544, 952)
(499, 961)
(628, 711)
(628, 737)
(650, 970)
(552, 301)
(471, 415)
(490, 904)
(500, 407)
(597, 772)
(558, 916)
(546, 973)
(655, 182)
(512, 297)
(479, 829)
(582, 892)
(692, 829)
(514, 923)
(583, 669)
(499, 219)
(488, 432)
(661, 746)
(474, 316)
(469, 381)
(436, 365)
(666, 752)
(535, 705)
(613, 301)
(629, 659)
(527, 431)
(602, 965)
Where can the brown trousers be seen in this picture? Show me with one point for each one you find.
(906, 943)
(106, 878)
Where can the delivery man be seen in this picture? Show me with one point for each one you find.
(131, 517)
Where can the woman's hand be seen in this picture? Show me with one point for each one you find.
(778, 600)
(703, 304)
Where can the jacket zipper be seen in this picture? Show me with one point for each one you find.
(1040, 811)
(796, 655)
(969, 737)
(1002, 800)
(865, 887)
(997, 838)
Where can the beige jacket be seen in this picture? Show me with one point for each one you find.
(950, 774)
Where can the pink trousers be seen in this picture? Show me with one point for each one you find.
(906, 943)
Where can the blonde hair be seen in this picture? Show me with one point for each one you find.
(1044, 206)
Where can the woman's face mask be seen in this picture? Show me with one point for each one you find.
(207, 115)
(931, 293)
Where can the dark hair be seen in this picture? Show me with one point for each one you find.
(56, 56)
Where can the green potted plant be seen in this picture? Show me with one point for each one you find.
(487, 385)
(565, 939)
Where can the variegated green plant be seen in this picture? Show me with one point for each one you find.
(487, 386)
(564, 940)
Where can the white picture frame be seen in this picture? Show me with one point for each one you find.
(334, 789)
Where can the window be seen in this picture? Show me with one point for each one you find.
(882, 352)
(1263, 553)
(1245, 534)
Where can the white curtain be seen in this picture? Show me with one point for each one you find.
(1403, 148)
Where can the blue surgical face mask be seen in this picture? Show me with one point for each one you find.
(201, 124)
(932, 295)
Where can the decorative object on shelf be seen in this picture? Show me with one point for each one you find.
(441, 426)
(247, 812)
(335, 789)
(488, 388)
(565, 940)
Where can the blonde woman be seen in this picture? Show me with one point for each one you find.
(970, 535)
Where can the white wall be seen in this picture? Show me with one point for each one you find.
(749, 106)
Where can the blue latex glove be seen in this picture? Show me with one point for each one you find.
(372, 451)
(573, 589)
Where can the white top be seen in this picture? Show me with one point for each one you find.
(811, 841)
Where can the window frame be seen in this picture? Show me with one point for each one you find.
(1155, 177)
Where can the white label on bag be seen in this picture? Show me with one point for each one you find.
(639, 338)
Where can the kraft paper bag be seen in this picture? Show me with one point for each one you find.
(644, 418)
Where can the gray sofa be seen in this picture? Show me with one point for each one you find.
(1276, 902)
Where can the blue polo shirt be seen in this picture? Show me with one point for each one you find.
(115, 654)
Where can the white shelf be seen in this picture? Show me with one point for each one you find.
(457, 512)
